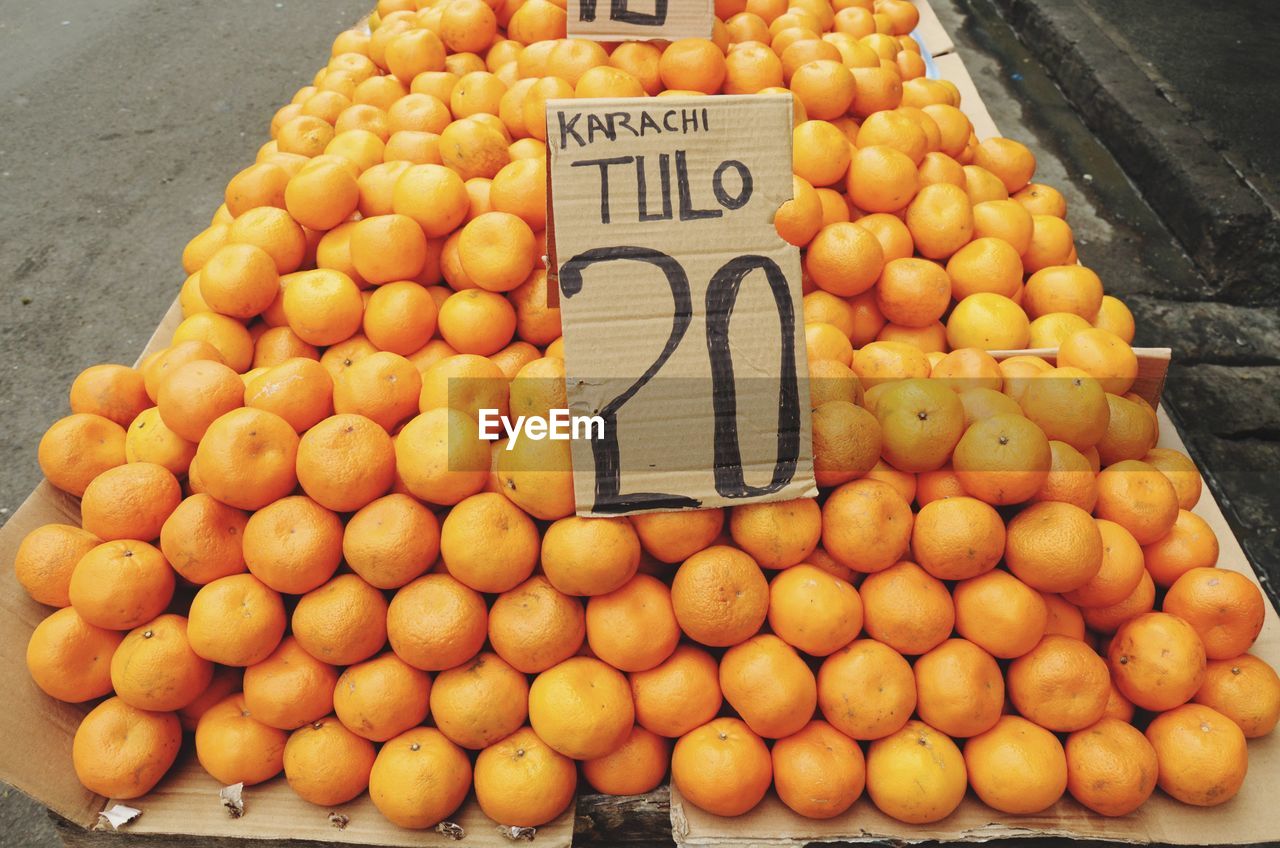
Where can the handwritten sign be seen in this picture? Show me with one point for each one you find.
(680, 302)
(640, 20)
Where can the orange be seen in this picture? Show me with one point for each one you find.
(879, 88)
(327, 764)
(479, 702)
(866, 690)
(247, 458)
(275, 232)
(1244, 689)
(1016, 767)
(385, 248)
(866, 525)
(1052, 329)
(824, 87)
(1111, 767)
(119, 585)
(959, 689)
(881, 179)
(236, 620)
(913, 292)
(342, 622)
(751, 66)
(813, 610)
(1225, 608)
(679, 694)
(846, 438)
(1132, 429)
(1000, 614)
(476, 321)
(382, 387)
(1061, 684)
(432, 195)
(497, 251)
(1180, 470)
(278, 345)
(234, 747)
(799, 219)
(436, 622)
(70, 659)
(293, 545)
(1120, 573)
(1102, 354)
(777, 535)
(414, 52)
(321, 196)
(1190, 543)
(202, 246)
(636, 767)
(260, 184)
(818, 771)
(149, 440)
(1201, 753)
(382, 697)
(988, 321)
(121, 751)
(896, 130)
(1009, 160)
(1107, 619)
(675, 536)
(226, 335)
(906, 608)
(78, 448)
(1069, 406)
(940, 219)
(508, 552)
(299, 390)
(980, 403)
(722, 767)
(155, 669)
(46, 558)
(1054, 547)
(1004, 459)
(1157, 661)
(581, 707)
(289, 688)
(693, 64)
(419, 778)
(844, 259)
(916, 775)
(440, 457)
(521, 781)
(769, 686)
(824, 341)
(193, 395)
(1005, 220)
(633, 628)
(720, 596)
(1052, 243)
(1138, 498)
(1118, 706)
(590, 556)
(893, 235)
(465, 382)
(1115, 317)
(1063, 288)
(1040, 199)
(956, 538)
(115, 392)
(347, 461)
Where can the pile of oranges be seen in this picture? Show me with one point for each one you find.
(295, 545)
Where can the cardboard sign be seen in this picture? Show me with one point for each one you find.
(640, 20)
(680, 302)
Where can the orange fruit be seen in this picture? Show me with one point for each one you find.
(1063, 288)
(70, 659)
(347, 461)
(193, 395)
(1180, 470)
(1040, 199)
(154, 668)
(956, 538)
(1103, 355)
(327, 764)
(959, 689)
(866, 525)
(940, 219)
(824, 87)
(846, 438)
(636, 767)
(844, 259)
(1004, 459)
(534, 626)
(419, 778)
(391, 541)
(866, 690)
(479, 702)
(1061, 684)
(768, 685)
(1190, 543)
(477, 321)
(1069, 406)
(382, 697)
(247, 458)
(1109, 618)
(510, 550)
(78, 448)
(590, 556)
(274, 231)
(1115, 317)
(497, 251)
(46, 558)
(1225, 608)
(290, 687)
(1138, 498)
(1054, 547)
(115, 392)
(1244, 689)
(881, 179)
(1016, 766)
(1201, 753)
(521, 781)
(236, 620)
(813, 610)
(342, 622)
(121, 584)
(818, 771)
(1120, 573)
(321, 195)
(799, 219)
(988, 321)
(633, 628)
(777, 535)
(436, 622)
(906, 608)
(722, 767)
(916, 774)
(298, 390)
(692, 64)
(675, 536)
(679, 694)
(581, 707)
(1111, 767)
(234, 747)
(1000, 614)
(1157, 661)
(1009, 160)
(1005, 220)
(884, 361)
(121, 751)
(913, 292)
(432, 195)
(278, 345)
(293, 545)
(720, 596)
